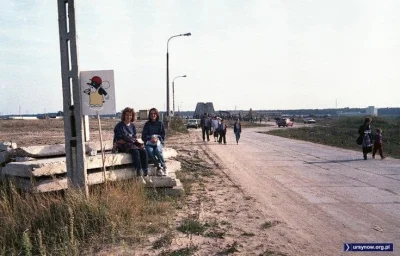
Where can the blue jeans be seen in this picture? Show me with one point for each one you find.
(155, 154)
(140, 160)
(237, 134)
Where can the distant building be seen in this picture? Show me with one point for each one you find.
(202, 108)
(372, 111)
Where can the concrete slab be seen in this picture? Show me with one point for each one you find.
(58, 149)
(7, 145)
(60, 183)
(5, 157)
(52, 166)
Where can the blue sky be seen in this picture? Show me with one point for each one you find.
(259, 54)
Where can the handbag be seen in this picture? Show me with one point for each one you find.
(359, 140)
(129, 143)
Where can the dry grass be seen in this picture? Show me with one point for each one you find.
(69, 224)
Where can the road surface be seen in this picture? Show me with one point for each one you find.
(325, 196)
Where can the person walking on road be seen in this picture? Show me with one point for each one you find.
(378, 144)
(222, 132)
(205, 124)
(365, 132)
(237, 129)
(214, 127)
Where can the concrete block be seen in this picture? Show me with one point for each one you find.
(7, 145)
(51, 166)
(54, 184)
(58, 149)
(37, 168)
(5, 157)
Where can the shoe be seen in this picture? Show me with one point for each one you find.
(383, 158)
(164, 170)
(365, 157)
(141, 180)
(208, 140)
(147, 179)
(373, 157)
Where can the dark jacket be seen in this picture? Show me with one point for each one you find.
(365, 131)
(205, 122)
(378, 139)
(221, 128)
(235, 129)
(153, 128)
(121, 130)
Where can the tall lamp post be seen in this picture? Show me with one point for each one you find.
(173, 93)
(168, 109)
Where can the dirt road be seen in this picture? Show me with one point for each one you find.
(322, 196)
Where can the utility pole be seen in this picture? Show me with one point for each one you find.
(73, 119)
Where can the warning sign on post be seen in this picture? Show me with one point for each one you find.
(97, 92)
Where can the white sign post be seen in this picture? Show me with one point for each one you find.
(98, 92)
(98, 96)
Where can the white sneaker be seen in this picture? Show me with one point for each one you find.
(148, 179)
(141, 180)
(164, 171)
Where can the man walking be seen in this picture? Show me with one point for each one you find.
(205, 124)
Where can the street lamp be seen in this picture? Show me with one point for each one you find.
(173, 93)
(168, 110)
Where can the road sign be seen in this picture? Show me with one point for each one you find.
(97, 92)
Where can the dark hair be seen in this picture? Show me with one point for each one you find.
(156, 111)
(128, 110)
(367, 119)
(378, 130)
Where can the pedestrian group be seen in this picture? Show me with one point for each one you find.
(217, 127)
(369, 142)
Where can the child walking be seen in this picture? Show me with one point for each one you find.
(378, 143)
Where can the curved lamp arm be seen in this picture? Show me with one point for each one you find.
(186, 34)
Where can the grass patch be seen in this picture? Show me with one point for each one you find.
(215, 234)
(230, 248)
(269, 224)
(187, 251)
(342, 132)
(248, 234)
(163, 241)
(191, 226)
(67, 223)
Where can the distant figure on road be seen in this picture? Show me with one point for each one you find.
(378, 143)
(237, 129)
(365, 131)
(205, 124)
(222, 132)
(214, 127)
